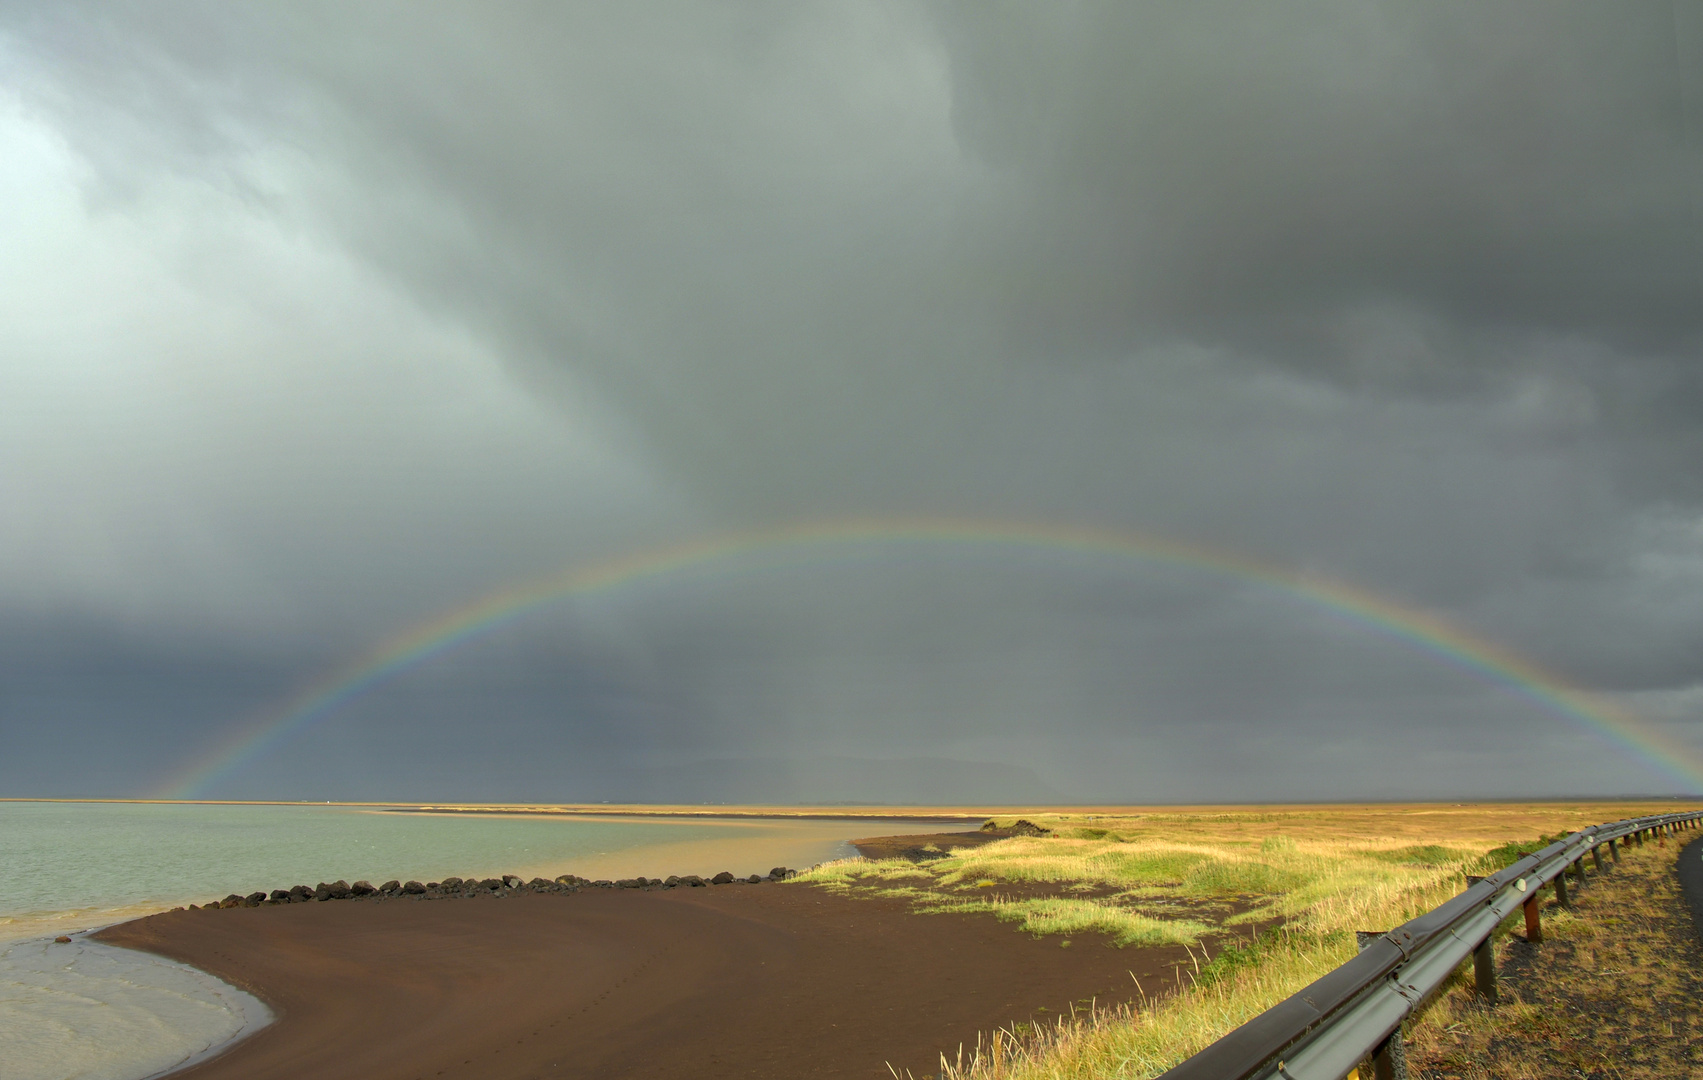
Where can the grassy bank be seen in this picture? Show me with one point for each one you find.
(1266, 900)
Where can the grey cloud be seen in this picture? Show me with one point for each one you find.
(1405, 295)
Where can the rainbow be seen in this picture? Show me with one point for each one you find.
(1416, 628)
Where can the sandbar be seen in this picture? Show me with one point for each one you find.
(753, 981)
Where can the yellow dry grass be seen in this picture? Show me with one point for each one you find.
(1318, 872)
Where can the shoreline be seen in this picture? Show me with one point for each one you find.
(646, 981)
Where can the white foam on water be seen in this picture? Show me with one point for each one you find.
(87, 1011)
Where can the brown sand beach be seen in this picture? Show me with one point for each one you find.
(736, 980)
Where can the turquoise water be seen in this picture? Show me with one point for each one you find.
(86, 1011)
(60, 861)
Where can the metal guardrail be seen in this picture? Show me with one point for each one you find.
(1356, 1011)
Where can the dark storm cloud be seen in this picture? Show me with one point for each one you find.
(1407, 295)
(1307, 182)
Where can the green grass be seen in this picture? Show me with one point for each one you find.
(1069, 916)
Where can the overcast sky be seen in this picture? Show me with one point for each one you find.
(318, 320)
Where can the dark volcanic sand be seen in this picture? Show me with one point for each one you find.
(914, 846)
(729, 981)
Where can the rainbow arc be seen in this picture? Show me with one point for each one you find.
(1414, 627)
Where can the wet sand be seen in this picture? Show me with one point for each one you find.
(769, 980)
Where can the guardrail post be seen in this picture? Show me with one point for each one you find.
(1579, 872)
(1614, 851)
(1484, 968)
(1561, 890)
(1534, 923)
(1389, 1060)
(1596, 857)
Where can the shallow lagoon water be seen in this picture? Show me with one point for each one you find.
(92, 1012)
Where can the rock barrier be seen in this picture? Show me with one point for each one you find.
(467, 888)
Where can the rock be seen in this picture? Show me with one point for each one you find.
(603, 883)
(254, 899)
(781, 873)
(391, 887)
(452, 883)
(723, 878)
(569, 880)
(194, 907)
(672, 881)
(231, 901)
(1028, 828)
(491, 883)
(630, 883)
(540, 885)
(300, 893)
(512, 882)
(337, 890)
(281, 896)
(362, 888)
(753, 879)
(62, 940)
(414, 888)
(322, 891)
(693, 880)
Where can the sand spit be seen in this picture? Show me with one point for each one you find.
(741, 980)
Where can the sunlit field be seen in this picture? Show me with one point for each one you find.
(1265, 900)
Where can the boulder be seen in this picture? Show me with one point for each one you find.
(254, 898)
(322, 891)
(603, 883)
(781, 873)
(512, 882)
(339, 890)
(491, 883)
(391, 887)
(630, 883)
(451, 883)
(362, 888)
(752, 880)
(723, 878)
(692, 879)
(672, 881)
(538, 884)
(281, 896)
(299, 893)
(62, 940)
(414, 888)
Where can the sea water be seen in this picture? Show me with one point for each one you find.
(94, 1012)
(88, 1011)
